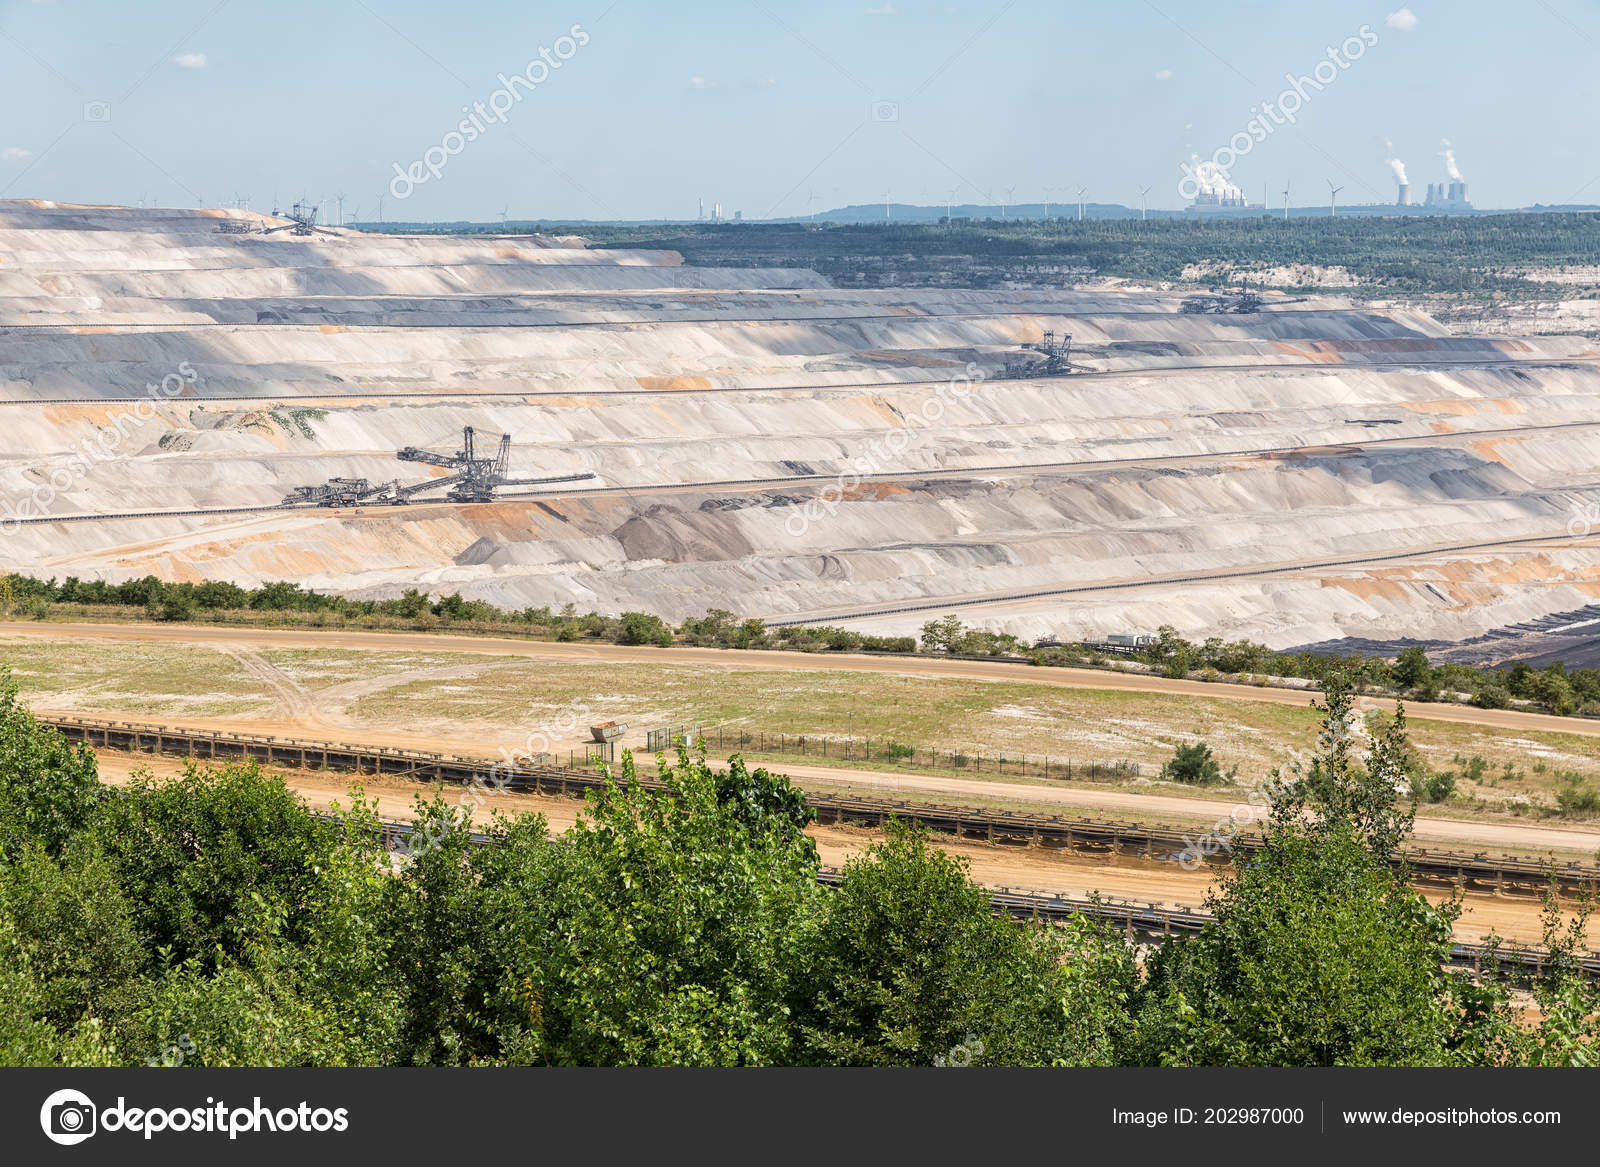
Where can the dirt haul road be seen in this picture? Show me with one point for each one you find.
(1032, 869)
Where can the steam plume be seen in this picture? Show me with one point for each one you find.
(1450, 160)
(1396, 165)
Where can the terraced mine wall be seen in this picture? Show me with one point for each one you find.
(769, 444)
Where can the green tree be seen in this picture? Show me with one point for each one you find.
(660, 932)
(643, 628)
(194, 851)
(1411, 668)
(74, 926)
(1337, 790)
(1193, 765)
(1318, 953)
(1317, 956)
(49, 789)
(942, 635)
(910, 961)
(28, 1037)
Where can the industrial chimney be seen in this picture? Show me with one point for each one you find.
(1405, 195)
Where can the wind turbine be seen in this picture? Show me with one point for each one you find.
(1286, 200)
(1333, 198)
(1081, 189)
(949, 202)
(503, 212)
(885, 206)
(1010, 191)
(811, 201)
(1143, 190)
(338, 201)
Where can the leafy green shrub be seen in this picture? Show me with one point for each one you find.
(1194, 765)
(1574, 796)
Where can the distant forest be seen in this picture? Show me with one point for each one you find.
(1468, 255)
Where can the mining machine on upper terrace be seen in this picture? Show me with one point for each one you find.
(1057, 358)
(302, 221)
(472, 478)
(1228, 302)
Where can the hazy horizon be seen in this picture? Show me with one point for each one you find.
(633, 112)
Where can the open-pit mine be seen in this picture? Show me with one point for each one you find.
(176, 387)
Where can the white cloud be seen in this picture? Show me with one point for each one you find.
(1163, 74)
(887, 10)
(190, 60)
(767, 83)
(1401, 18)
(701, 83)
(15, 154)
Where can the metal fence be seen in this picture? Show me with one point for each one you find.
(894, 754)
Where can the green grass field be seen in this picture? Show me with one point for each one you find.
(480, 703)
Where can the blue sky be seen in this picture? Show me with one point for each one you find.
(777, 108)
